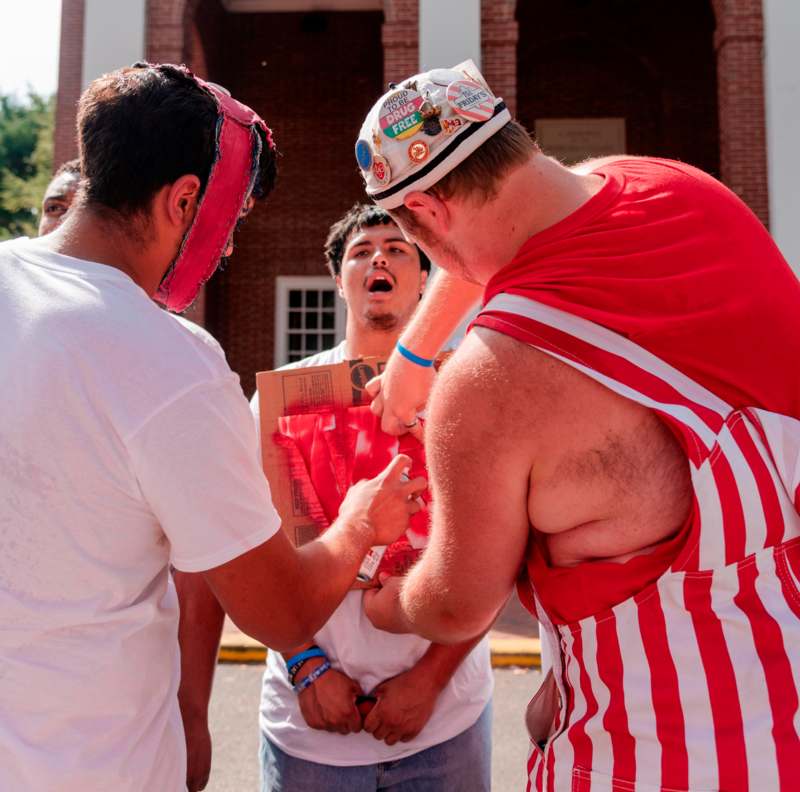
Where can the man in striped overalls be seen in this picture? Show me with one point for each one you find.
(620, 427)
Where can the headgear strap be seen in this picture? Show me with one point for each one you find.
(238, 148)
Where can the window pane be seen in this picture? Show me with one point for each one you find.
(311, 319)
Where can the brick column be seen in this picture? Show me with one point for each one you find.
(166, 30)
(70, 67)
(738, 41)
(499, 35)
(400, 39)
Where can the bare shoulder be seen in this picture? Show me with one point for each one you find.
(491, 386)
(495, 369)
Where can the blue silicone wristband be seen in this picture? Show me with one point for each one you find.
(409, 355)
(293, 663)
(312, 677)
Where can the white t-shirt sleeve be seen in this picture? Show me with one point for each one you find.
(255, 409)
(197, 464)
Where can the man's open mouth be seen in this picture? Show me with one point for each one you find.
(379, 283)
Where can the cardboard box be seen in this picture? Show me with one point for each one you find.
(311, 391)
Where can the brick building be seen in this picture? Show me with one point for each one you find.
(673, 78)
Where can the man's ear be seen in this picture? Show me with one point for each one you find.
(423, 281)
(339, 288)
(429, 210)
(182, 200)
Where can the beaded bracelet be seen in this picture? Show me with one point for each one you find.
(312, 677)
(295, 663)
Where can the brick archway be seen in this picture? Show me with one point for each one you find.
(280, 64)
(738, 43)
(169, 23)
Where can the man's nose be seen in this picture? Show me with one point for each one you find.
(379, 258)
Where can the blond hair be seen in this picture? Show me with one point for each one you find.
(479, 176)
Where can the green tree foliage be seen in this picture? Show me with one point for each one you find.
(26, 161)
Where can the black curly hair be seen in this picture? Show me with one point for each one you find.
(358, 216)
(145, 126)
(73, 167)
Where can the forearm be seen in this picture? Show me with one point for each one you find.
(328, 569)
(304, 587)
(282, 595)
(199, 631)
(446, 302)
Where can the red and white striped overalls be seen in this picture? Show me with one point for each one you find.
(693, 683)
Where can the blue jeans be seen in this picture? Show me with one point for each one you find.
(461, 764)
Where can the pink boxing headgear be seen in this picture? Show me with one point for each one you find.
(230, 182)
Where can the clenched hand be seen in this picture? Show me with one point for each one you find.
(329, 703)
(403, 707)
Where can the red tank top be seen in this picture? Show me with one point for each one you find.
(668, 257)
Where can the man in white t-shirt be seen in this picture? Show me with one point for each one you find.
(425, 719)
(127, 446)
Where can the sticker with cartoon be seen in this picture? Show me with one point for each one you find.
(418, 151)
(381, 170)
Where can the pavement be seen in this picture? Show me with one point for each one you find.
(513, 641)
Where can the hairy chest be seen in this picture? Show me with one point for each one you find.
(608, 485)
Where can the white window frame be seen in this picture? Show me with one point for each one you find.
(286, 283)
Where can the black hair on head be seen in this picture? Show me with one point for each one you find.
(72, 167)
(358, 216)
(144, 127)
